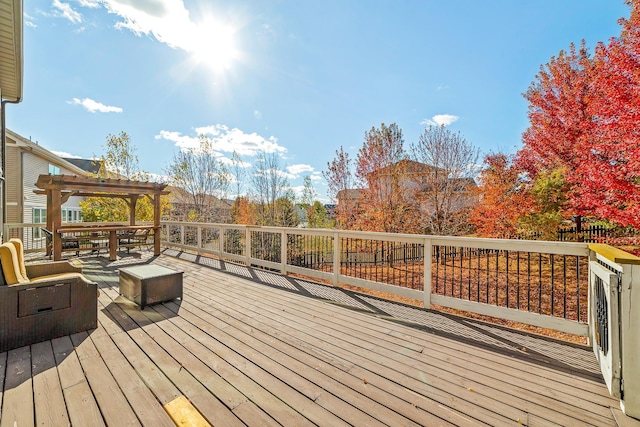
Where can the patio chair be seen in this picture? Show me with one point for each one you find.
(141, 237)
(42, 301)
(74, 244)
(131, 239)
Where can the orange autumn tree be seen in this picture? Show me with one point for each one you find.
(503, 199)
(379, 171)
(243, 212)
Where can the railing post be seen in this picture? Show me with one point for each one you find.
(625, 268)
(283, 251)
(336, 258)
(428, 254)
(220, 241)
(182, 234)
(629, 343)
(247, 248)
(199, 237)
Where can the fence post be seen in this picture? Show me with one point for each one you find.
(283, 251)
(428, 254)
(336, 258)
(199, 237)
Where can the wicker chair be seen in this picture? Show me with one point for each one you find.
(42, 301)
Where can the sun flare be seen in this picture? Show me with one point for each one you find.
(213, 44)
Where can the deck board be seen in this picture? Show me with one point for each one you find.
(81, 404)
(522, 398)
(249, 347)
(18, 407)
(114, 406)
(50, 409)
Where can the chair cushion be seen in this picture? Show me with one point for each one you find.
(60, 276)
(20, 251)
(10, 266)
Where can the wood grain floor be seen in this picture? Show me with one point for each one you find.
(248, 347)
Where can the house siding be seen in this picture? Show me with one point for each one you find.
(14, 184)
(26, 161)
(35, 166)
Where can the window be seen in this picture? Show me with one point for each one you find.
(71, 215)
(39, 217)
(54, 170)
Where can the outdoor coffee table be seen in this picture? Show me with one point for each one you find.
(150, 284)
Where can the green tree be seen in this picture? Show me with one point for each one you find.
(119, 161)
(317, 216)
(309, 194)
(549, 194)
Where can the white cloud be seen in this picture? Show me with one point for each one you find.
(154, 177)
(316, 176)
(29, 21)
(226, 140)
(65, 10)
(296, 170)
(89, 3)
(169, 22)
(440, 120)
(93, 106)
(65, 154)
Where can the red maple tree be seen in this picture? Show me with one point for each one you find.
(558, 136)
(584, 114)
(611, 184)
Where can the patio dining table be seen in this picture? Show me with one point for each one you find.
(114, 232)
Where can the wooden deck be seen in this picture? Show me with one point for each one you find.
(247, 347)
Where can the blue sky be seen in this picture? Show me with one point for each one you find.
(299, 78)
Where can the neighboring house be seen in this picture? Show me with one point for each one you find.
(26, 160)
(183, 204)
(93, 167)
(417, 183)
(351, 198)
(410, 177)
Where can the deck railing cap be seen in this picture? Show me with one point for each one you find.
(615, 255)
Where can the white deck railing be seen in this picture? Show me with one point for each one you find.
(539, 283)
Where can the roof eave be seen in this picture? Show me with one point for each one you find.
(11, 58)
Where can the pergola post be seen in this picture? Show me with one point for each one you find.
(49, 221)
(156, 224)
(56, 220)
(132, 208)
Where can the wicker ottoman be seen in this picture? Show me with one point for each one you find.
(150, 284)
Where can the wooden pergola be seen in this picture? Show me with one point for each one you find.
(58, 189)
